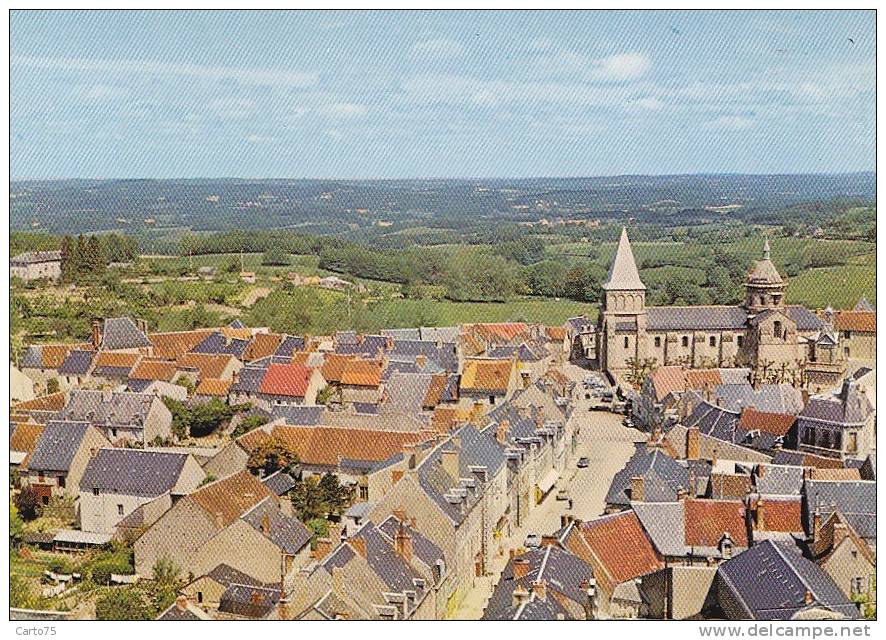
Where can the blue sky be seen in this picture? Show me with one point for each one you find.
(439, 94)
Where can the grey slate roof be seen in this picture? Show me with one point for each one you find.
(563, 572)
(288, 533)
(227, 575)
(289, 345)
(248, 601)
(369, 346)
(402, 334)
(804, 318)
(218, 343)
(77, 363)
(123, 408)
(772, 398)
(385, 562)
(445, 356)
(32, 358)
(34, 257)
(133, 472)
(475, 449)
(665, 524)
(299, 415)
(279, 483)
(770, 581)
(249, 380)
(695, 318)
(57, 445)
(864, 305)
(405, 392)
(523, 353)
(855, 500)
(662, 476)
(425, 550)
(122, 333)
(780, 480)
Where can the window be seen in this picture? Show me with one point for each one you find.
(113, 433)
(777, 328)
(95, 491)
(45, 500)
(845, 352)
(627, 342)
(657, 342)
(364, 493)
(713, 341)
(199, 597)
(857, 585)
(119, 509)
(61, 482)
(740, 340)
(684, 341)
(491, 399)
(852, 443)
(855, 553)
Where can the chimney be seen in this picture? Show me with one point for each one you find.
(359, 545)
(96, 333)
(322, 547)
(714, 457)
(761, 515)
(181, 603)
(501, 433)
(403, 544)
(693, 446)
(539, 588)
(265, 524)
(816, 525)
(681, 493)
(421, 361)
(521, 568)
(219, 520)
(409, 451)
(400, 514)
(807, 598)
(637, 489)
(761, 470)
(449, 459)
(519, 596)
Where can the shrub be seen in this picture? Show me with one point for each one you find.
(125, 603)
(27, 503)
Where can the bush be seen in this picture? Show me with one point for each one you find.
(126, 603)
(26, 502)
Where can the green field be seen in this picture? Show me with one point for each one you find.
(839, 287)
(445, 312)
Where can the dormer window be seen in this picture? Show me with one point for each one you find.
(777, 329)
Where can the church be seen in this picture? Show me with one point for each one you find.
(776, 341)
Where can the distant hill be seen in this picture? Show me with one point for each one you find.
(337, 207)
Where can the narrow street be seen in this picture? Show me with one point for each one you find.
(608, 445)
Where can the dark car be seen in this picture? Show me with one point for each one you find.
(583, 463)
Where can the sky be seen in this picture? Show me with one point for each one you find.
(439, 94)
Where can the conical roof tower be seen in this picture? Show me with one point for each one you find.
(623, 274)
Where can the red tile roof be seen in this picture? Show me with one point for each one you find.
(617, 547)
(154, 370)
(782, 514)
(229, 498)
(707, 520)
(262, 345)
(324, 445)
(52, 402)
(775, 423)
(175, 344)
(286, 380)
(213, 387)
(362, 373)
(856, 321)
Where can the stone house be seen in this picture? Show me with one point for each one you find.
(60, 458)
(118, 481)
(844, 556)
(34, 265)
(490, 382)
(121, 415)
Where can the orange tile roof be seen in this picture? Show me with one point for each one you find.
(154, 370)
(668, 379)
(730, 485)
(362, 373)
(175, 344)
(54, 354)
(616, 547)
(326, 446)
(209, 365)
(556, 333)
(262, 345)
(501, 330)
(229, 498)
(775, 423)
(782, 514)
(116, 359)
(435, 390)
(213, 387)
(25, 438)
(52, 402)
(244, 333)
(707, 520)
(836, 474)
(487, 375)
(286, 380)
(865, 321)
(701, 378)
(334, 366)
(252, 439)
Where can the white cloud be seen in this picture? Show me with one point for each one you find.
(99, 93)
(439, 48)
(649, 103)
(243, 75)
(728, 123)
(622, 66)
(342, 110)
(257, 139)
(233, 108)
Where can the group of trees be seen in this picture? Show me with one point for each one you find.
(87, 257)
(201, 418)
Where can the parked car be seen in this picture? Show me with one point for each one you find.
(628, 422)
(562, 494)
(583, 463)
(532, 541)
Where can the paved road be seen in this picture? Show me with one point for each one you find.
(608, 445)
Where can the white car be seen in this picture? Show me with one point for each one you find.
(532, 541)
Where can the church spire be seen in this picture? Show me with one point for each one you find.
(623, 274)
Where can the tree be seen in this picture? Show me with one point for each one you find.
(314, 499)
(275, 256)
(546, 278)
(639, 370)
(270, 456)
(126, 603)
(336, 496)
(66, 257)
(26, 501)
(583, 284)
(95, 261)
(187, 383)
(248, 423)
(16, 525)
(52, 385)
